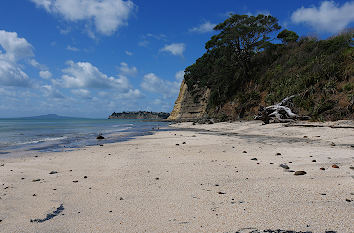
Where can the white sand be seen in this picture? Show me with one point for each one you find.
(185, 196)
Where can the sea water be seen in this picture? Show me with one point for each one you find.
(27, 135)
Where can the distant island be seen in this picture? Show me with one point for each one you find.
(48, 116)
(140, 115)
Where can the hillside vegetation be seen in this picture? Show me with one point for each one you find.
(243, 69)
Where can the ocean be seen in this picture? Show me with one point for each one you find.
(29, 135)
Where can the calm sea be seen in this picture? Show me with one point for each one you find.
(27, 136)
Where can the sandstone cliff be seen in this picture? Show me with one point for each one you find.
(188, 107)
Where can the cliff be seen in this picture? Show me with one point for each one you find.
(188, 107)
(144, 115)
(319, 72)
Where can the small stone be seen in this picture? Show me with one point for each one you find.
(110, 211)
(53, 172)
(322, 168)
(290, 162)
(177, 144)
(300, 173)
(36, 180)
(100, 137)
(305, 136)
(101, 145)
(277, 154)
(22, 178)
(75, 181)
(348, 200)
(271, 163)
(34, 195)
(254, 159)
(183, 142)
(216, 185)
(333, 144)
(351, 168)
(157, 178)
(284, 166)
(323, 194)
(244, 152)
(314, 161)
(121, 199)
(335, 166)
(85, 177)
(221, 193)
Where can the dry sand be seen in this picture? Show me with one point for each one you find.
(205, 185)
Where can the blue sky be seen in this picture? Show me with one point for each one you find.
(92, 57)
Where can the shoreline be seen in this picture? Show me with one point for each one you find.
(224, 177)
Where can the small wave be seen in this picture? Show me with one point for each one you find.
(41, 140)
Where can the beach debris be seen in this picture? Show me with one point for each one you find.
(335, 166)
(322, 168)
(75, 181)
(283, 165)
(255, 159)
(100, 137)
(50, 215)
(300, 173)
(53, 172)
(351, 168)
(279, 113)
(221, 193)
(348, 200)
(1, 165)
(333, 144)
(36, 180)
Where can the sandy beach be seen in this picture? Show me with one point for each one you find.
(223, 177)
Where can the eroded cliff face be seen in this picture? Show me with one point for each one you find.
(188, 107)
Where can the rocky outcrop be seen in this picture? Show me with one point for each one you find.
(144, 115)
(188, 107)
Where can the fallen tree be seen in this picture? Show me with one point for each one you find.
(279, 113)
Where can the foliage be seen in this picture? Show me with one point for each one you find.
(287, 36)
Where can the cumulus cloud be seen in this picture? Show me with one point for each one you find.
(106, 15)
(45, 74)
(126, 70)
(152, 83)
(85, 75)
(52, 92)
(203, 28)
(328, 17)
(128, 53)
(176, 49)
(14, 49)
(81, 92)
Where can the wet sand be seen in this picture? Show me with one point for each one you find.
(223, 177)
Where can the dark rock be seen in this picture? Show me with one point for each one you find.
(101, 145)
(34, 195)
(121, 199)
(283, 165)
(75, 181)
(22, 178)
(53, 172)
(183, 142)
(277, 154)
(323, 194)
(314, 161)
(221, 193)
(351, 168)
(85, 177)
(100, 137)
(244, 151)
(322, 168)
(157, 178)
(36, 180)
(333, 144)
(335, 166)
(254, 159)
(300, 173)
(177, 144)
(348, 200)
(305, 136)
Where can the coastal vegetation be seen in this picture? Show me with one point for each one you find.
(248, 64)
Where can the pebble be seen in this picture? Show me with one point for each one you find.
(333, 144)
(314, 161)
(121, 198)
(284, 166)
(183, 142)
(351, 168)
(177, 144)
(278, 154)
(254, 159)
(244, 151)
(322, 168)
(75, 181)
(85, 177)
(157, 178)
(348, 200)
(53, 172)
(335, 166)
(36, 180)
(300, 173)
(221, 193)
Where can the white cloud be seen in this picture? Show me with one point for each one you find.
(85, 75)
(129, 53)
(45, 74)
(176, 49)
(71, 48)
(328, 17)
(15, 48)
(106, 15)
(52, 92)
(154, 84)
(12, 50)
(180, 75)
(203, 28)
(126, 70)
(81, 92)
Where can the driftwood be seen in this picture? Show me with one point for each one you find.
(279, 113)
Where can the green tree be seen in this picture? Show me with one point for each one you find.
(287, 36)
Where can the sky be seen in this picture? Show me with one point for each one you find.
(89, 58)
